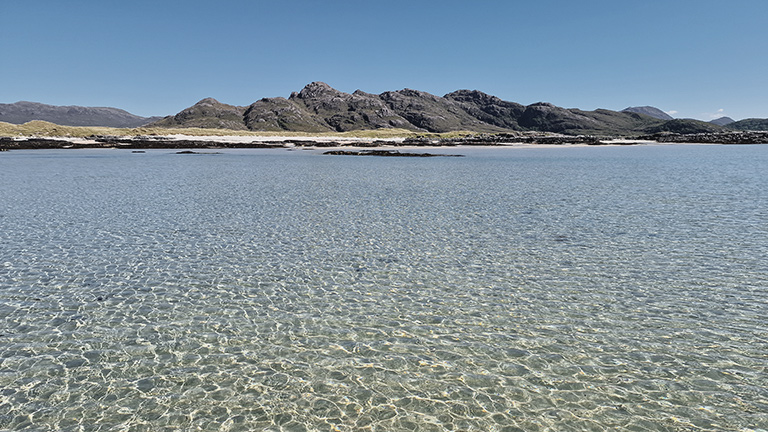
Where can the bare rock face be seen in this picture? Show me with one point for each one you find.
(344, 112)
(318, 90)
(489, 109)
(433, 113)
(280, 114)
(544, 116)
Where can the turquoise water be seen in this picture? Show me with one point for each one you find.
(513, 289)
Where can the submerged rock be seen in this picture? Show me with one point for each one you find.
(197, 153)
(390, 153)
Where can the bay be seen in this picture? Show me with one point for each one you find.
(565, 288)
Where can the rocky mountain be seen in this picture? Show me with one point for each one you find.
(208, 113)
(489, 109)
(649, 111)
(751, 124)
(22, 112)
(320, 108)
(722, 121)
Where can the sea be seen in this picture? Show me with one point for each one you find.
(512, 289)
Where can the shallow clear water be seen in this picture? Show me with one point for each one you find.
(512, 289)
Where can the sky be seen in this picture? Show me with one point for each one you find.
(691, 58)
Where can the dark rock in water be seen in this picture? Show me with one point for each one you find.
(35, 143)
(194, 152)
(391, 153)
(260, 144)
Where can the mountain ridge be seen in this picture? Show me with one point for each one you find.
(318, 107)
(71, 115)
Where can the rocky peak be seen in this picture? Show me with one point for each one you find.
(208, 101)
(363, 94)
(416, 94)
(317, 90)
(473, 96)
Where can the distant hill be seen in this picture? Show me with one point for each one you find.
(723, 121)
(22, 112)
(208, 113)
(753, 124)
(685, 126)
(649, 111)
(320, 108)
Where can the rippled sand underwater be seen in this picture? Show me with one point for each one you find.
(512, 289)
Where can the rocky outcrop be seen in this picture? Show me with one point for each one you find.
(280, 114)
(547, 117)
(489, 109)
(23, 112)
(208, 113)
(711, 138)
(433, 113)
(344, 112)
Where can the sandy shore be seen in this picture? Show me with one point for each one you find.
(180, 141)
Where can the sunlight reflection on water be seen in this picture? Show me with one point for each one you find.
(513, 289)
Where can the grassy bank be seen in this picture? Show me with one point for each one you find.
(45, 129)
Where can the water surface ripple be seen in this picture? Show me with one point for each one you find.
(509, 290)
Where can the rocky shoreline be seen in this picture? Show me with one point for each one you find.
(748, 137)
(501, 139)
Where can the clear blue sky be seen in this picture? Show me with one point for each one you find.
(702, 59)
